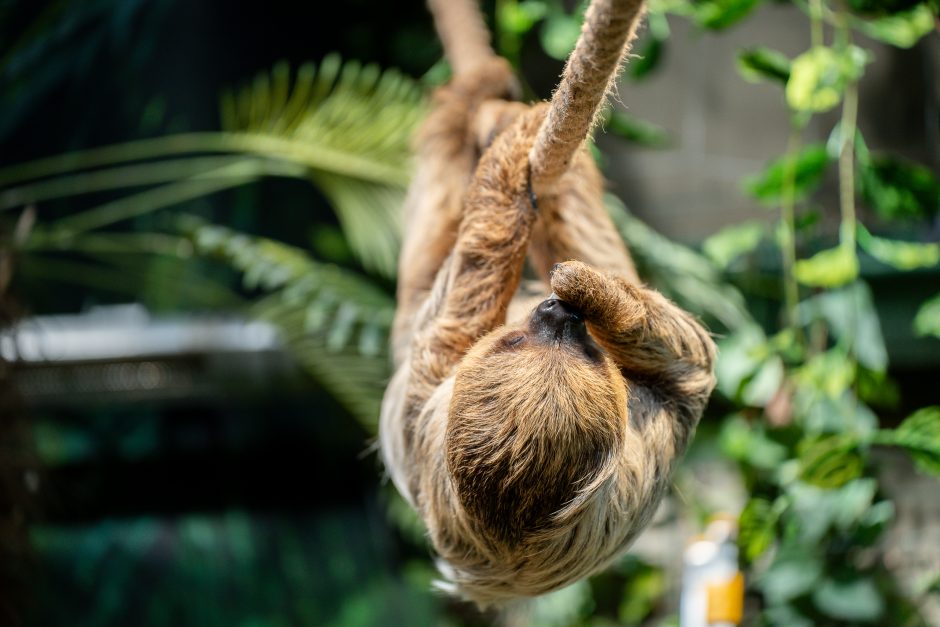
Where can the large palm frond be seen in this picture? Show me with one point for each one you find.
(343, 127)
(334, 321)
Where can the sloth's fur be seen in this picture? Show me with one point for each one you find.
(534, 440)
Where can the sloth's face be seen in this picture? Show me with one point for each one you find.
(536, 423)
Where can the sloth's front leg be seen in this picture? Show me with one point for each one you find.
(654, 342)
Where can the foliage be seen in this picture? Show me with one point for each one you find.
(800, 396)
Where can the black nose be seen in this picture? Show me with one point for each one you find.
(557, 321)
(554, 310)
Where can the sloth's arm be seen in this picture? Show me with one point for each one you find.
(474, 288)
(654, 342)
(573, 224)
(446, 157)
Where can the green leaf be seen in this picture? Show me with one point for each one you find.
(920, 435)
(901, 29)
(851, 316)
(830, 372)
(927, 320)
(808, 168)
(636, 129)
(733, 241)
(643, 591)
(820, 75)
(828, 268)
(852, 600)
(720, 14)
(830, 461)
(819, 510)
(519, 17)
(901, 255)
(792, 574)
(682, 274)
(748, 443)
(652, 46)
(757, 64)
(757, 528)
(559, 34)
(740, 355)
(898, 189)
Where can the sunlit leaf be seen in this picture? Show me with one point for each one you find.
(828, 268)
(757, 64)
(920, 435)
(731, 242)
(559, 34)
(902, 29)
(901, 255)
(756, 528)
(830, 372)
(820, 75)
(519, 17)
(808, 168)
(830, 461)
(927, 320)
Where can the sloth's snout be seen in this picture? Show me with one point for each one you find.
(556, 320)
(559, 311)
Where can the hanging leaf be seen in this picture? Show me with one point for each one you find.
(635, 129)
(733, 241)
(901, 255)
(808, 169)
(828, 268)
(720, 14)
(903, 29)
(758, 64)
(927, 320)
(820, 75)
(898, 189)
(852, 318)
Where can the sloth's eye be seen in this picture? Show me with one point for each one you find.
(514, 340)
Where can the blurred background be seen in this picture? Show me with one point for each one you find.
(199, 213)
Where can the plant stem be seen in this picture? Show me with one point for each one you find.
(847, 167)
(816, 22)
(791, 292)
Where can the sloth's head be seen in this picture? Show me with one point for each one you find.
(536, 423)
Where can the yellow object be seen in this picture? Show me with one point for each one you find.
(726, 600)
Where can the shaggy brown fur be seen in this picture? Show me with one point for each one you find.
(534, 450)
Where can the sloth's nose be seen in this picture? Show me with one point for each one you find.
(558, 311)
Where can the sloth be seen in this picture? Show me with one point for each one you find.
(532, 424)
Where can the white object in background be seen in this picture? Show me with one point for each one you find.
(712, 586)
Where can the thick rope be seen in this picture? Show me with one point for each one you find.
(608, 30)
(463, 33)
